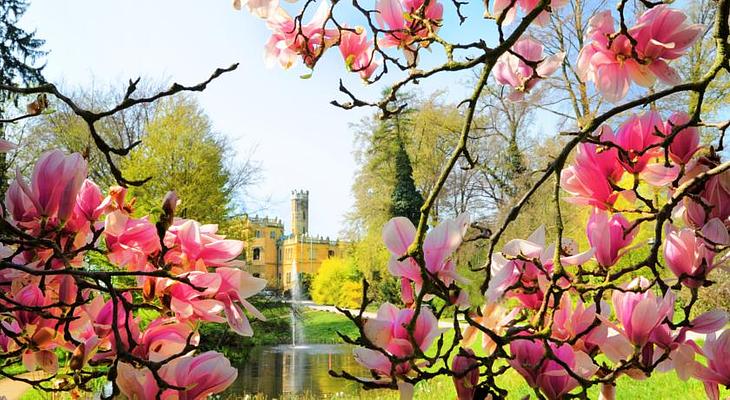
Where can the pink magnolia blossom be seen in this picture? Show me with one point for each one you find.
(590, 177)
(609, 236)
(396, 16)
(388, 330)
(511, 70)
(661, 34)
(203, 375)
(509, 9)
(30, 296)
(717, 372)
(636, 137)
(90, 202)
(495, 318)
(196, 247)
(51, 195)
(576, 323)
(714, 198)
(291, 39)
(136, 383)
(641, 312)
(686, 142)
(689, 256)
(166, 337)
(129, 240)
(438, 246)
(236, 286)
(6, 146)
(259, 8)
(102, 317)
(515, 276)
(195, 301)
(40, 351)
(546, 374)
(358, 53)
(466, 370)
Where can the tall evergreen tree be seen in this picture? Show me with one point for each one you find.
(19, 53)
(406, 201)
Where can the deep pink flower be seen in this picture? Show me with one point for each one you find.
(511, 70)
(689, 256)
(166, 337)
(404, 30)
(662, 34)
(609, 236)
(590, 176)
(571, 322)
(30, 296)
(641, 312)
(714, 197)
(686, 142)
(501, 6)
(515, 277)
(465, 364)
(546, 374)
(195, 303)
(637, 136)
(102, 316)
(438, 246)
(51, 195)
(236, 286)
(89, 202)
(196, 247)
(389, 332)
(129, 240)
(357, 51)
(717, 371)
(205, 374)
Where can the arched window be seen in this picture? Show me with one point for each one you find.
(257, 253)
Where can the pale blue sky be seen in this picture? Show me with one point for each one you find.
(302, 141)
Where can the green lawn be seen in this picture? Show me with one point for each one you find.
(321, 327)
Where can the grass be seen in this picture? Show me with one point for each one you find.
(322, 327)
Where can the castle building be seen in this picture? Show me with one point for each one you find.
(275, 256)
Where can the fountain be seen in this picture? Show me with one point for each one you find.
(296, 298)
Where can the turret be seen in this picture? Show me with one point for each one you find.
(300, 212)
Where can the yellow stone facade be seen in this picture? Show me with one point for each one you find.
(271, 254)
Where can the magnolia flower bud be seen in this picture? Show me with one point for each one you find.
(77, 358)
(465, 364)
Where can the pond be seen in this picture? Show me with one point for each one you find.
(277, 371)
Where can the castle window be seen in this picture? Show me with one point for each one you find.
(258, 234)
(257, 254)
(330, 253)
(272, 235)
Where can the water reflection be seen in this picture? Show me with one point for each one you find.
(282, 370)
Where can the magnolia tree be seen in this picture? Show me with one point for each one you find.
(565, 318)
(78, 267)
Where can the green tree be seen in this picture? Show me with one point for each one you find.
(406, 200)
(19, 52)
(181, 152)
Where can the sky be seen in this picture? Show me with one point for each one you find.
(301, 141)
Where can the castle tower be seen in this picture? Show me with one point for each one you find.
(300, 212)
